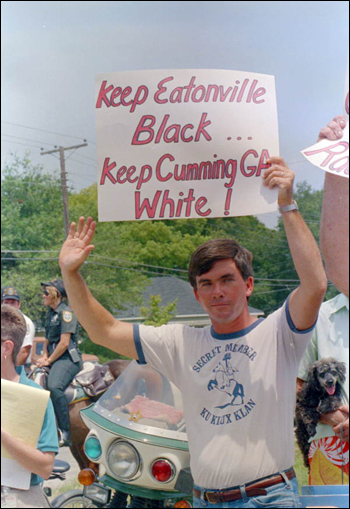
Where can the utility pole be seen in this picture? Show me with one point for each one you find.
(64, 180)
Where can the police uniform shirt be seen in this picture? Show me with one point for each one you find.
(60, 321)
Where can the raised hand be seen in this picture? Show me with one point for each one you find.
(77, 246)
(279, 175)
(333, 130)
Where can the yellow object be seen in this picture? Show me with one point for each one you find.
(135, 416)
(323, 471)
(22, 415)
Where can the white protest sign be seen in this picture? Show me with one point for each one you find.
(333, 156)
(184, 144)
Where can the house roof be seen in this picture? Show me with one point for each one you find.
(188, 310)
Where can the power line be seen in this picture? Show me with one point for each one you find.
(257, 279)
(19, 143)
(130, 262)
(46, 131)
(137, 263)
(27, 139)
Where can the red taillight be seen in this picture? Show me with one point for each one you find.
(162, 470)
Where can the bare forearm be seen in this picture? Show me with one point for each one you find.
(23, 355)
(305, 301)
(95, 319)
(334, 233)
(45, 352)
(305, 253)
(30, 458)
(59, 350)
(100, 325)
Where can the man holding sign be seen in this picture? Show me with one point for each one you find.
(239, 425)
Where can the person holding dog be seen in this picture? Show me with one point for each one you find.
(240, 428)
(39, 461)
(329, 449)
(61, 354)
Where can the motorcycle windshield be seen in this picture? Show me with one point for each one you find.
(144, 400)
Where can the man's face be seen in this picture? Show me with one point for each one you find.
(223, 293)
(12, 302)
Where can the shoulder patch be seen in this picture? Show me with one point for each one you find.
(67, 316)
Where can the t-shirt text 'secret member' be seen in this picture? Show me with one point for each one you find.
(238, 393)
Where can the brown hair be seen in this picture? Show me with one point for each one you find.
(53, 292)
(13, 328)
(213, 250)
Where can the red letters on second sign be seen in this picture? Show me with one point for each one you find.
(173, 133)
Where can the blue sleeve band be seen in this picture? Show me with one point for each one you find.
(291, 324)
(138, 345)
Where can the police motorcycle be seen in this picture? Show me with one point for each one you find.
(138, 436)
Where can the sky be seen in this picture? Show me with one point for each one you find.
(52, 52)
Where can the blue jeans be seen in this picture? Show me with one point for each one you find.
(285, 494)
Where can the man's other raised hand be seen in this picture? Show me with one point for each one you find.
(77, 246)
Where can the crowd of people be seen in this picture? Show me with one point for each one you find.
(242, 460)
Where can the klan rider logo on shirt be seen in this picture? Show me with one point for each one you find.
(225, 381)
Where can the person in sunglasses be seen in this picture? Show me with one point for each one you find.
(61, 354)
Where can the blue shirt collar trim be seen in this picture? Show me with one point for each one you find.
(238, 334)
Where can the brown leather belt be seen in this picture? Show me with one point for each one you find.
(252, 489)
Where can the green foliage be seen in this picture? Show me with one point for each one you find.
(103, 354)
(156, 314)
(276, 263)
(31, 220)
(128, 253)
(33, 232)
(27, 196)
(299, 467)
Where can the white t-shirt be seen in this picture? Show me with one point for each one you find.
(238, 392)
(330, 339)
(29, 337)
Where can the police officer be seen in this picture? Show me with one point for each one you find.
(60, 352)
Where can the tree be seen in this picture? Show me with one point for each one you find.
(128, 253)
(156, 314)
(33, 233)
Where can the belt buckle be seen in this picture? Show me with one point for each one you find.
(207, 496)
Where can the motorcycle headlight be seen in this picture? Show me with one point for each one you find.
(123, 460)
(92, 448)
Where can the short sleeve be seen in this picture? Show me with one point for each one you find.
(69, 322)
(48, 440)
(294, 341)
(310, 356)
(158, 347)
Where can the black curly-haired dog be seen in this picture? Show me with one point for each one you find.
(320, 394)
